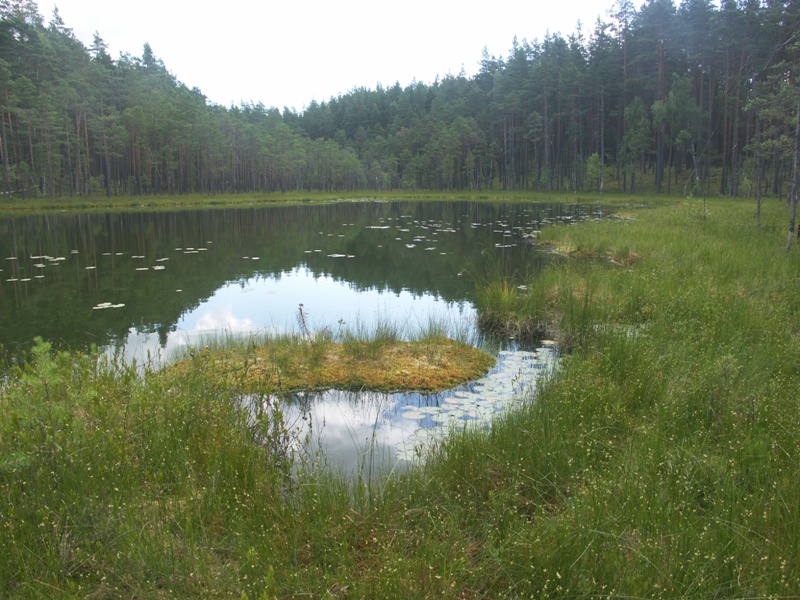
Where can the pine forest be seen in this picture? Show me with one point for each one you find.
(687, 99)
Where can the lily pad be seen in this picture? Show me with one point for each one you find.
(413, 415)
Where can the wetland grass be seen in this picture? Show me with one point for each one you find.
(380, 361)
(656, 463)
(661, 460)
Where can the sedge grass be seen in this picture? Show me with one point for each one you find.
(382, 362)
(661, 460)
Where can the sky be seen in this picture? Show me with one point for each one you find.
(286, 54)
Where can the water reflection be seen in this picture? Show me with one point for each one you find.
(270, 304)
(126, 280)
(370, 431)
(147, 285)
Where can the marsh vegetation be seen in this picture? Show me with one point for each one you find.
(660, 461)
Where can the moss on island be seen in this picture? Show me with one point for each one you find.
(428, 365)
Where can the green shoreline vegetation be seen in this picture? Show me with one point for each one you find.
(293, 363)
(661, 461)
(204, 201)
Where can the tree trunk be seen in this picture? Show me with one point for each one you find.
(795, 176)
(760, 168)
(6, 166)
(602, 139)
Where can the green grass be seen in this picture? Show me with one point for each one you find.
(23, 206)
(663, 460)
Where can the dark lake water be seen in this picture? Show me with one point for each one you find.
(150, 284)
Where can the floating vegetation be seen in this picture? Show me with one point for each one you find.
(104, 305)
(413, 414)
(476, 404)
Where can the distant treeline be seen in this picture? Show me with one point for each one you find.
(674, 97)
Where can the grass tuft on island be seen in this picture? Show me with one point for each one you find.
(294, 364)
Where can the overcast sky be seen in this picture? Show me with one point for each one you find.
(288, 53)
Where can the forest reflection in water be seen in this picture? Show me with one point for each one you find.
(148, 285)
(145, 281)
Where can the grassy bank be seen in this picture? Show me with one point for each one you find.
(21, 206)
(663, 460)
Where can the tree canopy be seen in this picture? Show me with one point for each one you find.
(671, 99)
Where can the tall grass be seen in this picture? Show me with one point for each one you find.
(661, 461)
(662, 458)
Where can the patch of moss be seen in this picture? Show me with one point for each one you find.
(429, 365)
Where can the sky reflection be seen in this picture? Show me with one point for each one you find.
(369, 432)
(264, 304)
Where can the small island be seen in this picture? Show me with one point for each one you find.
(293, 364)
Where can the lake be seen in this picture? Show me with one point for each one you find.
(147, 285)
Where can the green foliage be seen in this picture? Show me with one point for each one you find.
(659, 461)
(532, 120)
(654, 463)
